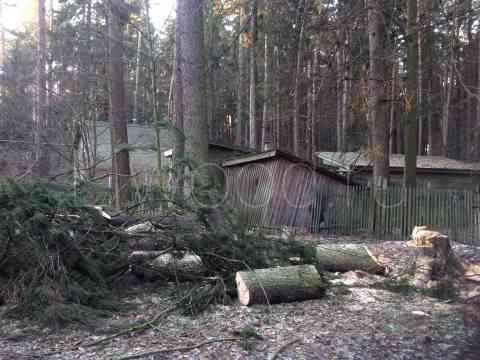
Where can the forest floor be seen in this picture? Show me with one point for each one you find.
(353, 322)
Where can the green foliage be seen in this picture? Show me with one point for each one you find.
(55, 254)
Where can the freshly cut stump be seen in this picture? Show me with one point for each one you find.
(434, 258)
(277, 285)
(347, 257)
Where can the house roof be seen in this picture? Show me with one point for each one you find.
(349, 161)
(277, 154)
(230, 147)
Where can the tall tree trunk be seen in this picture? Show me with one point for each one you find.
(137, 76)
(276, 98)
(393, 95)
(253, 79)
(427, 55)
(298, 72)
(193, 80)
(477, 125)
(411, 98)
(118, 114)
(3, 54)
(153, 90)
(449, 80)
(80, 124)
(339, 94)
(308, 128)
(177, 118)
(421, 105)
(313, 127)
(346, 62)
(447, 97)
(40, 116)
(240, 123)
(216, 128)
(469, 76)
(377, 105)
(266, 138)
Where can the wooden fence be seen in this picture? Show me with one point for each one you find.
(391, 214)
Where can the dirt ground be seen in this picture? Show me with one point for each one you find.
(357, 322)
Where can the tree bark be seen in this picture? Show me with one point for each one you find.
(411, 127)
(298, 72)
(3, 54)
(153, 90)
(393, 128)
(377, 104)
(137, 77)
(240, 123)
(277, 102)
(313, 128)
(448, 80)
(266, 137)
(253, 140)
(477, 124)
(216, 128)
(347, 257)
(177, 118)
(276, 285)
(420, 66)
(193, 80)
(118, 113)
(308, 128)
(40, 112)
(339, 96)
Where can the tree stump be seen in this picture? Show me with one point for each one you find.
(276, 285)
(434, 258)
(347, 257)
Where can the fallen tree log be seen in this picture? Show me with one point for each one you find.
(347, 257)
(168, 266)
(276, 285)
(137, 257)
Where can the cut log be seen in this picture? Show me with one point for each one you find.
(168, 266)
(144, 227)
(276, 285)
(347, 257)
(138, 257)
(188, 263)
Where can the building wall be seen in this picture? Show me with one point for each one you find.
(141, 138)
(277, 192)
(434, 181)
(143, 154)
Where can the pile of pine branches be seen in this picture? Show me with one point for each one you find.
(221, 242)
(59, 256)
(56, 255)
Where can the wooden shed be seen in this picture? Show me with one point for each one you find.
(275, 189)
(435, 172)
